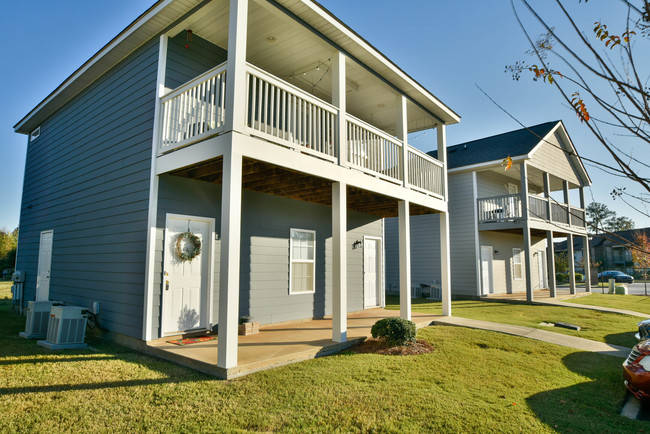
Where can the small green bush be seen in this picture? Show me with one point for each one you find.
(561, 277)
(580, 277)
(396, 331)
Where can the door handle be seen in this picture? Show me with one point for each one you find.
(167, 285)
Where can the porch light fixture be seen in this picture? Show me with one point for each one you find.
(496, 252)
(356, 245)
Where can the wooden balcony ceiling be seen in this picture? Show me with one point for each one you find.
(269, 179)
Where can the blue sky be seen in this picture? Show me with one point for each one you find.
(450, 47)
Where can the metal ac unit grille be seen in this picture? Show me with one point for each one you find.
(53, 329)
(66, 331)
(37, 322)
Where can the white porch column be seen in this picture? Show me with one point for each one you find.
(528, 253)
(231, 202)
(547, 195)
(402, 134)
(572, 265)
(586, 259)
(404, 259)
(147, 320)
(445, 270)
(550, 258)
(583, 205)
(236, 68)
(565, 188)
(339, 101)
(339, 263)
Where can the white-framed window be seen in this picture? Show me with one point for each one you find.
(517, 267)
(35, 134)
(302, 254)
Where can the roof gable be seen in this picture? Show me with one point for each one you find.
(495, 148)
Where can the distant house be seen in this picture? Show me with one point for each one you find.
(225, 158)
(502, 221)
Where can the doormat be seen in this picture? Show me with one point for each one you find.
(194, 340)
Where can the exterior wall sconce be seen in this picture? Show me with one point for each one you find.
(356, 245)
(496, 252)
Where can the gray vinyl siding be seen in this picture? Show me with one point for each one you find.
(462, 238)
(425, 251)
(502, 262)
(183, 64)
(550, 157)
(87, 178)
(494, 184)
(264, 262)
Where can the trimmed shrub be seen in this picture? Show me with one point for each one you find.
(561, 277)
(580, 277)
(396, 331)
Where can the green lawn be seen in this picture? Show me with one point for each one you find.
(5, 289)
(474, 381)
(606, 327)
(637, 303)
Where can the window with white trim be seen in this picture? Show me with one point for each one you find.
(302, 254)
(517, 267)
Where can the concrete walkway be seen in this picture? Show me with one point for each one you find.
(541, 335)
(563, 302)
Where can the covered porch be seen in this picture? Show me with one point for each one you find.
(277, 344)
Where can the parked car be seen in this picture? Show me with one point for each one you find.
(618, 276)
(644, 330)
(636, 370)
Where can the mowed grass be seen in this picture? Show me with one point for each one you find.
(474, 381)
(606, 327)
(5, 289)
(637, 303)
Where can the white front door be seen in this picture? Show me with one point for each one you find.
(541, 268)
(185, 283)
(371, 272)
(486, 270)
(44, 266)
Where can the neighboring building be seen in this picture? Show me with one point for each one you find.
(269, 133)
(502, 220)
(578, 251)
(612, 250)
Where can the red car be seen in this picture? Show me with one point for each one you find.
(636, 370)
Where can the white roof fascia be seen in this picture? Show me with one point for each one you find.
(485, 165)
(363, 44)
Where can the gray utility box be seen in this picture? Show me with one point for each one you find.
(38, 317)
(66, 328)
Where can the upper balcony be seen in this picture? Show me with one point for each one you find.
(299, 80)
(532, 198)
(283, 114)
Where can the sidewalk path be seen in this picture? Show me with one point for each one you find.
(541, 335)
(562, 302)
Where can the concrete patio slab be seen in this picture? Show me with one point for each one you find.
(278, 344)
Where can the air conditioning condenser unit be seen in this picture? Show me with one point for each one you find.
(66, 328)
(38, 317)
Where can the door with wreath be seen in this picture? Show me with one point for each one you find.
(187, 265)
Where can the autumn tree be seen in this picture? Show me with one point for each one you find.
(640, 255)
(601, 74)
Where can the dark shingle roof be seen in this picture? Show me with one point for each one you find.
(513, 143)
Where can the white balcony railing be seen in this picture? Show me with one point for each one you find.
(499, 208)
(282, 112)
(285, 114)
(373, 151)
(509, 208)
(194, 111)
(425, 172)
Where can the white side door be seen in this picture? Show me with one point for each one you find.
(371, 272)
(44, 266)
(486, 270)
(541, 269)
(185, 286)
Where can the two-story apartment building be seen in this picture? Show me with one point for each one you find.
(221, 158)
(504, 214)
